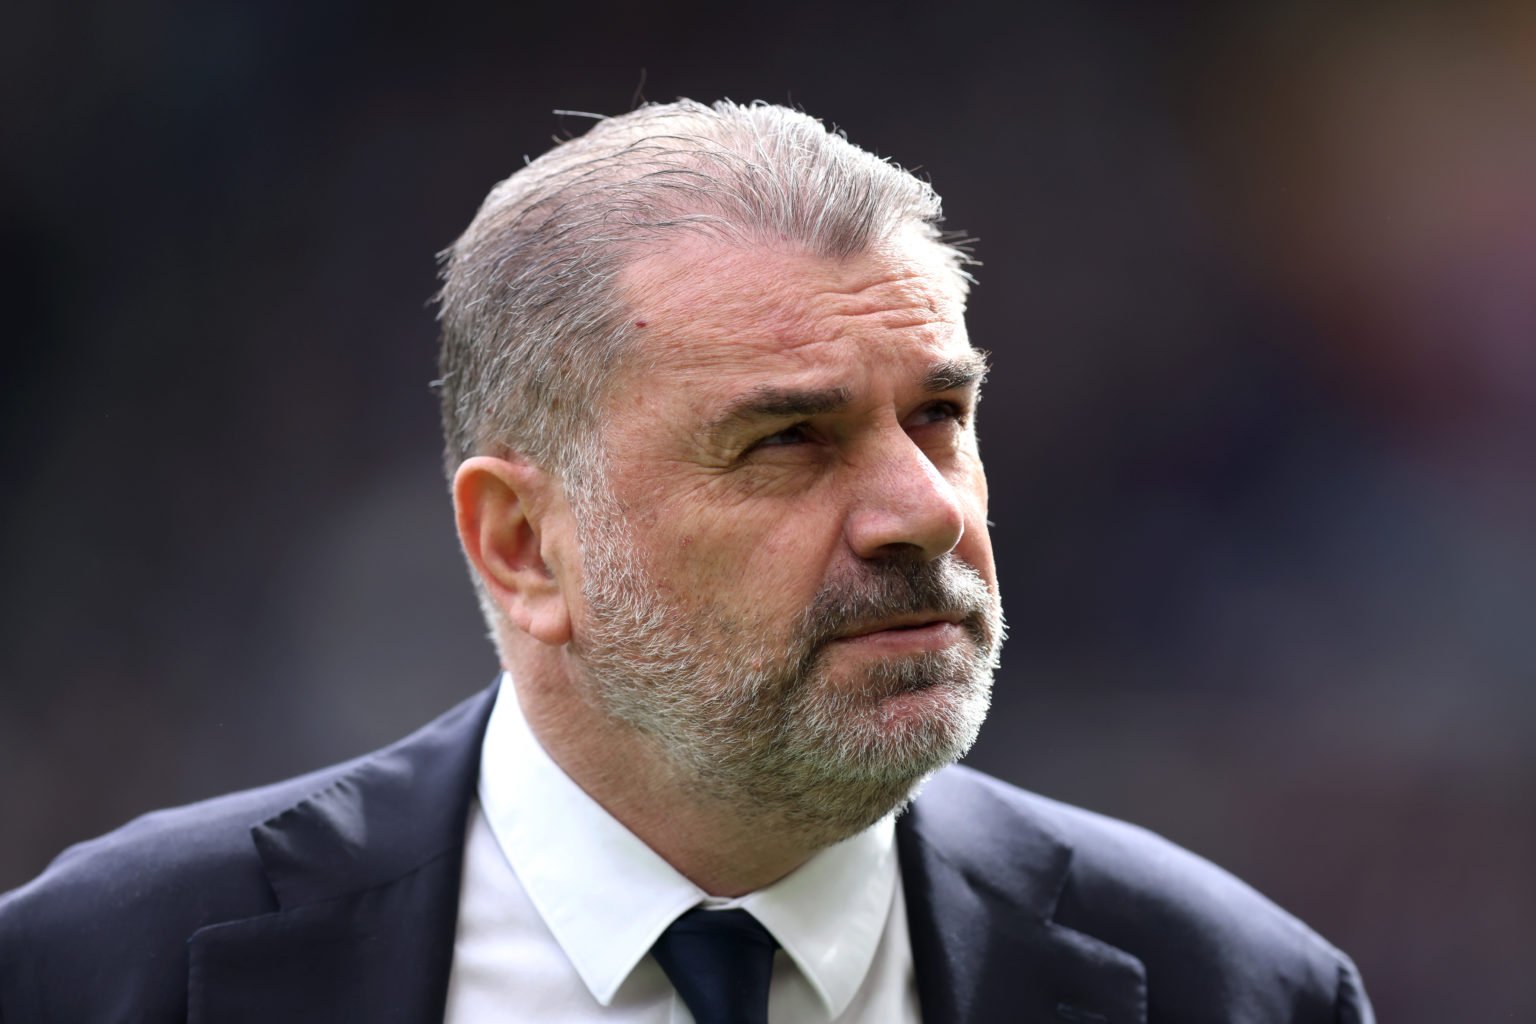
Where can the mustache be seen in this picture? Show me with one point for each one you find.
(944, 587)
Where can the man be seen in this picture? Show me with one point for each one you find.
(709, 406)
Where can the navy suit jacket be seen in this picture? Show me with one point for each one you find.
(332, 897)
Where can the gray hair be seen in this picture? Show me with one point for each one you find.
(533, 326)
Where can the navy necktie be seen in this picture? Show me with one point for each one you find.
(720, 962)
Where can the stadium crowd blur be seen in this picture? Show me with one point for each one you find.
(1260, 288)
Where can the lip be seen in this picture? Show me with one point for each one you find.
(899, 624)
(908, 633)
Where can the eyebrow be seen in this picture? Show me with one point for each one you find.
(768, 402)
(954, 374)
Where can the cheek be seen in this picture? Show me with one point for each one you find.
(758, 563)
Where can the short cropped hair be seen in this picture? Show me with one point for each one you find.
(532, 323)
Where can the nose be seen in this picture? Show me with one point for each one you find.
(903, 505)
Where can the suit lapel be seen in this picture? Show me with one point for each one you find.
(366, 874)
(981, 881)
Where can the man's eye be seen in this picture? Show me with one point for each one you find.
(797, 434)
(939, 412)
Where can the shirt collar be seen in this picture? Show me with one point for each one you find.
(607, 897)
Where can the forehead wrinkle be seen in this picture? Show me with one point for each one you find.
(785, 296)
(903, 294)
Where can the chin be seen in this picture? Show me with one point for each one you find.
(852, 761)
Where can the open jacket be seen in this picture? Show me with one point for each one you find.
(332, 897)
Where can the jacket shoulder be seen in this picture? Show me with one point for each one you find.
(102, 934)
(1204, 936)
(109, 917)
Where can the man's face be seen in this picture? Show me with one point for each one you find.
(787, 580)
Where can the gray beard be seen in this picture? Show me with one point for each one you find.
(753, 720)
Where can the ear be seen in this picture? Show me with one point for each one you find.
(508, 513)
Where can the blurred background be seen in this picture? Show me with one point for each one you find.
(1260, 284)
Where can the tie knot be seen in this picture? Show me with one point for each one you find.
(720, 962)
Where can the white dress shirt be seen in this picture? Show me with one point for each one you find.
(560, 905)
